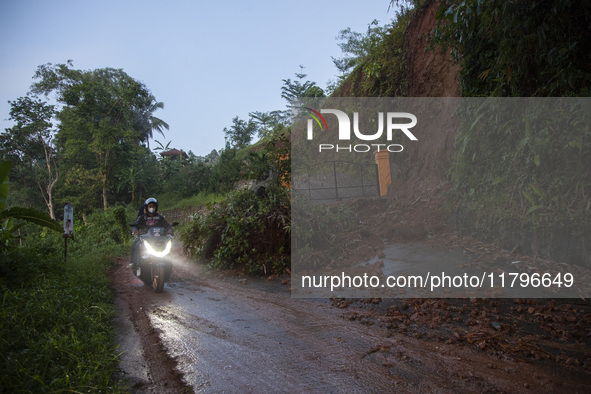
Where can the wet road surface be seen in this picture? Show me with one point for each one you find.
(229, 335)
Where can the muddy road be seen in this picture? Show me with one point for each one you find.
(215, 334)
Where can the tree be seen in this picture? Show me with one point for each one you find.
(240, 133)
(30, 143)
(357, 46)
(162, 147)
(293, 90)
(225, 172)
(99, 118)
(267, 122)
(212, 157)
(518, 48)
(148, 123)
(130, 180)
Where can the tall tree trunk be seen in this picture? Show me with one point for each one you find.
(50, 183)
(105, 175)
(50, 198)
(52, 177)
(105, 192)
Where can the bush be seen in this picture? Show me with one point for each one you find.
(120, 217)
(243, 231)
(321, 233)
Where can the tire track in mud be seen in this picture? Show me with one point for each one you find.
(207, 334)
(247, 341)
(146, 365)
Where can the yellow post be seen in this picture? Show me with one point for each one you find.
(384, 176)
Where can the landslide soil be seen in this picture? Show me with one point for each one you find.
(226, 333)
(542, 333)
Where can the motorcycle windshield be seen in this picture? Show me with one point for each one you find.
(156, 232)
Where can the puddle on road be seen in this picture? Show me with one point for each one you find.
(402, 259)
(425, 271)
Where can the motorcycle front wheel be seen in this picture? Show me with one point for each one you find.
(144, 272)
(158, 277)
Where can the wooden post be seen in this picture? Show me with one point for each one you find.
(384, 175)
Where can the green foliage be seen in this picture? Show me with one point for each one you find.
(519, 48)
(356, 47)
(239, 135)
(81, 187)
(243, 231)
(175, 201)
(225, 173)
(96, 155)
(518, 160)
(28, 144)
(257, 166)
(103, 230)
(7, 216)
(248, 229)
(104, 117)
(5, 167)
(322, 234)
(378, 59)
(120, 217)
(517, 169)
(293, 90)
(55, 331)
(20, 266)
(148, 123)
(161, 146)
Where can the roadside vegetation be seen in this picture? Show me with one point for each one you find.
(83, 137)
(529, 177)
(249, 229)
(55, 330)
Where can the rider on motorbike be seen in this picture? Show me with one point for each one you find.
(149, 219)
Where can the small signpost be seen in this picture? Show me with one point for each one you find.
(68, 226)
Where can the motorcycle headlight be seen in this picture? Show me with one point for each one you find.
(156, 253)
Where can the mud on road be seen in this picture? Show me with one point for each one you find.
(212, 334)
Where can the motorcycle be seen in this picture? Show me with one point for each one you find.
(154, 267)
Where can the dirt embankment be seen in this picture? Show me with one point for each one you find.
(182, 215)
(429, 73)
(424, 166)
(553, 333)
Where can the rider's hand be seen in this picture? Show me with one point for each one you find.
(135, 232)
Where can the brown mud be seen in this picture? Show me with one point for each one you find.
(211, 333)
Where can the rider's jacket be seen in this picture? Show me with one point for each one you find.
(156, 220)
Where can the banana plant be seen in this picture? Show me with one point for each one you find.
(8, 227)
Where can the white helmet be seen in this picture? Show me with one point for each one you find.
(151, 200)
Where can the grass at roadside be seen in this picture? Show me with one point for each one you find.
(56, 329)
(171, 201)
